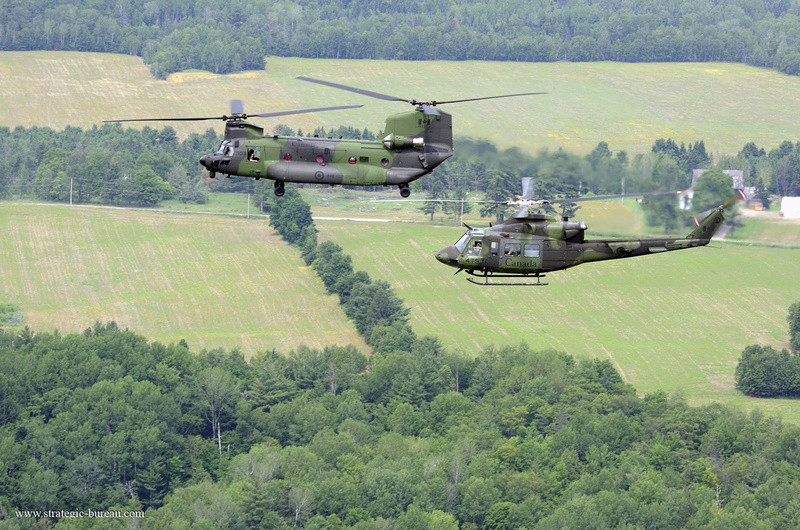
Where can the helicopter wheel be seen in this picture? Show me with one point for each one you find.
(279, 189)
(405, 191)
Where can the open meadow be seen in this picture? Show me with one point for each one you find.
(676, 322)
(627, 105)
(214, 281)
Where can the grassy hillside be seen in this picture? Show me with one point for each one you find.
(628, 105)
(215, 281)
(676, 321)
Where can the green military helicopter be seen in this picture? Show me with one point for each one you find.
(532, 243)
(413, 144)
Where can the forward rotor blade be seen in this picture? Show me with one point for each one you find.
(244, 116)
(489, 97)
(169, 119)
(361, 91)
(300, 111)
(237, 106)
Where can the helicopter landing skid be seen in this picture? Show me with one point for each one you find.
(486, 278)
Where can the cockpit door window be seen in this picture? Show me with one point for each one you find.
(226, 148)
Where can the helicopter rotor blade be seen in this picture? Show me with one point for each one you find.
(361, 91)
(607, 197)
(300, 111)
(169, 119)
(488, 97)
(527, 188)
(427, 106)
(242, 116)
(237, 106)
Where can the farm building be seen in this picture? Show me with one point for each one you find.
(790, 207)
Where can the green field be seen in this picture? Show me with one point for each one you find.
(627, 105)
(677, 321)
(215, 281)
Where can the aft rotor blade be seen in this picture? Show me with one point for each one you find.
(300, 111)
(361, 91)
(489, 97)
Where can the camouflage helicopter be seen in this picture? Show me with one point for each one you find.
(532, 243)
(413, 144)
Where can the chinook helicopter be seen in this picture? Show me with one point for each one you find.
(413, 144)
(532, 243)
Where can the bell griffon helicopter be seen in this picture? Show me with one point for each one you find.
(532, 243)
(412, 145)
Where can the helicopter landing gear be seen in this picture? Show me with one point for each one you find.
(405, 191)
(486, 277)
(279, 188)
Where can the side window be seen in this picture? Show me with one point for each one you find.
(252, 154)
(512, 249)
(532, 250)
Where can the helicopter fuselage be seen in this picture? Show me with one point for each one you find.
(534, 246)
(413, 144)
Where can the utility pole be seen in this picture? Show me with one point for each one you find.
(70, 191)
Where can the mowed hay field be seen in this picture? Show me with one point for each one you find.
(676, 322)
(627, 105)
(214, 281)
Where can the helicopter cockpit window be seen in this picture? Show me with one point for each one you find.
(512, 249)
(225, 148)
(461, 243)
(475, 247)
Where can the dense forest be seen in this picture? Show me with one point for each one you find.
(414, 437)
(235, 35)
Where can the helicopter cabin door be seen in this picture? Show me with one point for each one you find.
(372, 164)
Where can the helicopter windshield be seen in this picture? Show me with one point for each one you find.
(461, 243)
(225, 148)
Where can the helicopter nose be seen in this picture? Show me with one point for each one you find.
(204, 160)
(448, 255)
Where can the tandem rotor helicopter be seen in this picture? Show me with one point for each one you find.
(413, 144)
(532, 243)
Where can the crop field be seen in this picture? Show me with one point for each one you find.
(677, 321)
(214, 281)
(627, 105)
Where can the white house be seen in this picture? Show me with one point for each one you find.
(790, 207)
(737, 183)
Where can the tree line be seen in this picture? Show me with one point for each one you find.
(330, 438)
(103, 165)
(764, 371)
(122, 166)
(231, 36)
(377, 313)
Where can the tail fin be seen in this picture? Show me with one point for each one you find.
(708, 226)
